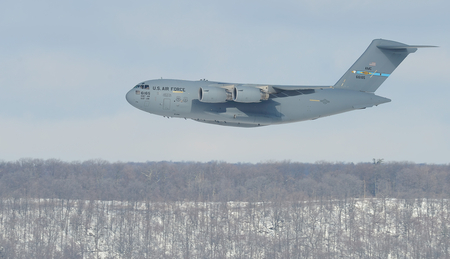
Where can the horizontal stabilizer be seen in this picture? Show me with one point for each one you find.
(405, 47)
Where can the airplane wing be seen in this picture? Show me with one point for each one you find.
(279, 88)
(280, 91)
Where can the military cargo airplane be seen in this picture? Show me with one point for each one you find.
(253, 105)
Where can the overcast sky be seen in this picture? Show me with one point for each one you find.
(65, 67)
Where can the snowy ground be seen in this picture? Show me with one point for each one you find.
(352, 228)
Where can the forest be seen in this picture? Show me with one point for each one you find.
(220, 181)
(98, 209)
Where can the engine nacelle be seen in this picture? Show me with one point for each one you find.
(245, 94)
(214, 95)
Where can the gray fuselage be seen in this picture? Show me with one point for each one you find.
(180, 98)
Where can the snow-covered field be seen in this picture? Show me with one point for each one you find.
(352, 228)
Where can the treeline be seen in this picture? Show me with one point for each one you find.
(220, 181)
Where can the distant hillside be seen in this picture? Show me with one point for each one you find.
(97, 209)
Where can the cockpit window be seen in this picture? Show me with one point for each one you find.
(142, 86)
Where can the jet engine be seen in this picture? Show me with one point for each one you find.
(245, 94)
(214, 95)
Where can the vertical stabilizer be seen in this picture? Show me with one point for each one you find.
(375, 65)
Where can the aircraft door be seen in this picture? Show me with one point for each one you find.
(166, 104)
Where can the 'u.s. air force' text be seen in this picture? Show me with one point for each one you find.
(166, 88)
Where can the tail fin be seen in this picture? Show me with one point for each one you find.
(375, 65)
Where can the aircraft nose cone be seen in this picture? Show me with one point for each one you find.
(129, 98)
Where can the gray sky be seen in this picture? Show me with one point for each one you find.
(65, 67)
